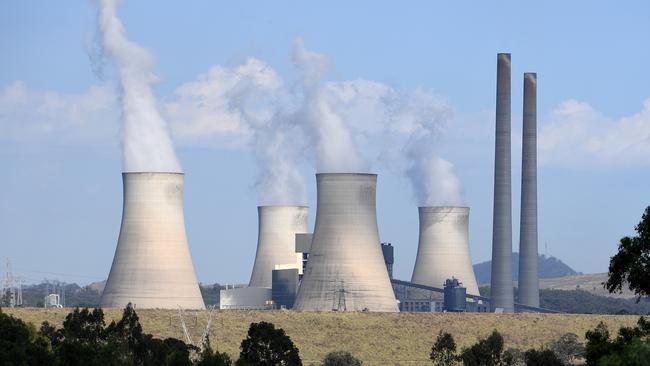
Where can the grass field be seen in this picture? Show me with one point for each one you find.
(375, 338)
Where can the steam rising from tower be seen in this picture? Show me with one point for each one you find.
(278, 226)
(147, 146)
(152, 267)
(528, 275)
(443, 248)
(501, 290)
(346, 269)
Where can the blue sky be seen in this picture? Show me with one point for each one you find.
(60, 192)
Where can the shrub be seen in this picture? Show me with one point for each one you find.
(567, 348)
(341, 358)
(544, 357)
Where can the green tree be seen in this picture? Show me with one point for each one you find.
(567, 348)
(544, 357)
(267, 346)
(443, 352)
(598, 344)
(21, 344)
(341, 358)
(636, 353)
(81, 340)
(486, 352)
(209, 357)
(631, 265)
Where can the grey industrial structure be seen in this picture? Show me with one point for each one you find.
(501, 290)
(152, 267)
(277, 229)
(528, 275)
(443, 248)
(346, 269)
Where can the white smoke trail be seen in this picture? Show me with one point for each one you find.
(146, 142)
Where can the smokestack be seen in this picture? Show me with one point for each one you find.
(443, 248)
(346, 269)
(276, 240)
(528, 275)
(152, 267)
(501, 292)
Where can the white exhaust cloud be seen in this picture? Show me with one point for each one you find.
(146, 143)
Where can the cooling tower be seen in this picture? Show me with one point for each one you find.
(152, 267)
(346, 270)
(501, 292)
(443, 248)
(528, 276)
(276, 240)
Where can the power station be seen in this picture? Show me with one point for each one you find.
(152, 267)
(342, 265)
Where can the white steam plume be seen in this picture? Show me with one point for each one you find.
(336, 151)
(146, 142)
(401, 131)
(247, 104)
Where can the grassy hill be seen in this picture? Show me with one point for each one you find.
(549, 267)
(591, 283)
(376, 338)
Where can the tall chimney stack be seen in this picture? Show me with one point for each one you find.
(528, 275)
(501, 291)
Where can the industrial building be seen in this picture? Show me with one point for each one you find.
(152, 267)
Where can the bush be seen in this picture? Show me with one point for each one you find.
(267, 346)
(341, 358)
(567, 348)
(486, 352)
(545, 357)
(209, 357)
(443, 352)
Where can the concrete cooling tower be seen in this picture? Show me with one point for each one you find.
(152, 267)
(346, 270)
(443, 248)
(276, 240)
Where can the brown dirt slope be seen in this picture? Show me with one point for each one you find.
(376, 338)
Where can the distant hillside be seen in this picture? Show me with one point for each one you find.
(583, 302)
(549, 267)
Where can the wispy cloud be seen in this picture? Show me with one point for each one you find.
(576, 134)
(49, 117)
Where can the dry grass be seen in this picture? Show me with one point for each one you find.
(375, 338)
